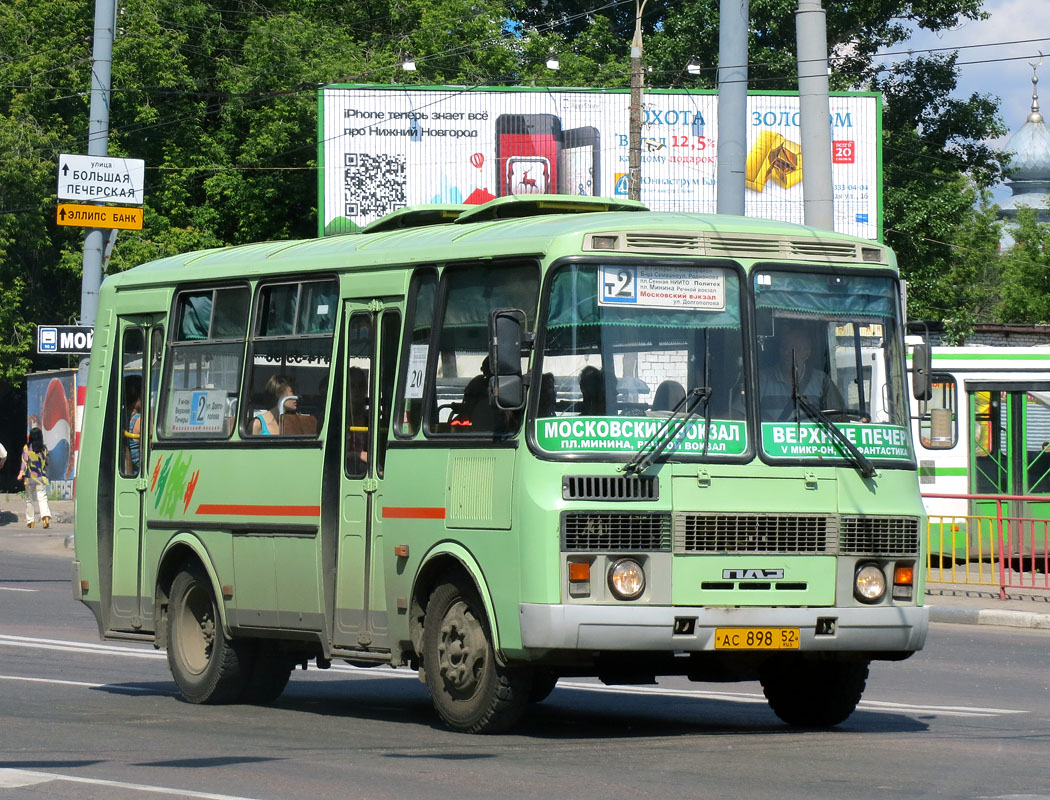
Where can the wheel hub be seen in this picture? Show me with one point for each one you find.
(461, 650)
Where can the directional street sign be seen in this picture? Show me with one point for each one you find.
(64, 339)
(86, 216)
(100, 179)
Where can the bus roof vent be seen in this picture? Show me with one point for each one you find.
(664, 242)
(820, 248)
(744, 246)
(533, 205)
(416, 217)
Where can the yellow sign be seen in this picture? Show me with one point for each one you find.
(86, 216)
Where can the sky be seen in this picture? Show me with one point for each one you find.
(1017, 30)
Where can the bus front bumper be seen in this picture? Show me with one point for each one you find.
(893, 629)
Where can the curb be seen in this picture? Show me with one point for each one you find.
(989, 616)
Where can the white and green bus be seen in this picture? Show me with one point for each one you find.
(504, 444)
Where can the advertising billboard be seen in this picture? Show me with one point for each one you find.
(51, 405)
(382, 148)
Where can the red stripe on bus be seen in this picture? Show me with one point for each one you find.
(411, 512)
(259, 511)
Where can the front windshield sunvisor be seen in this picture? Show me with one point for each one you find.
(830, 362)
(624, 343)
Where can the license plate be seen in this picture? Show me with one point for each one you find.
(756, 639)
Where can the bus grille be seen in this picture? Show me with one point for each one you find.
(880, 535)
(754, 533)
(621, 532)
(609, 487)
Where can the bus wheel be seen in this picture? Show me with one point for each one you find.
(268, 674)
(471, 692)
(813, 694)
(207, 667)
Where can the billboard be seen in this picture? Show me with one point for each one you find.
(382, 148)
(51, 405)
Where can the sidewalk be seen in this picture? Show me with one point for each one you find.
(948, 602)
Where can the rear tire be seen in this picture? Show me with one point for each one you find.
(813, 694)
(471, 692)
(207, 667)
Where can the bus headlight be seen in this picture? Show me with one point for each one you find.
(869, 583)
(627, 579)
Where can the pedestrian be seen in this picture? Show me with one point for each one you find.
(34, 471)
(3, 455)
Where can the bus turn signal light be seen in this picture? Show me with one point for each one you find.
(903, 576)
(579, 572)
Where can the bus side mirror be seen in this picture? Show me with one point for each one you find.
(506, 334)
(921, 365)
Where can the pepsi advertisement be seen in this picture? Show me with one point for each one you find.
(51, 406)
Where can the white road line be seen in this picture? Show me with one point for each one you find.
(17, 778)
(130, 651)
(15, 589)
(83, 684)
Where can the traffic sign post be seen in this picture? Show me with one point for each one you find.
(86, 216)
(64, 339)
(100, 179)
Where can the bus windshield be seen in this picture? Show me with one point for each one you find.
(624, 343)
(829, 357)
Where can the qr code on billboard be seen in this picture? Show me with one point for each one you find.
(374, 184)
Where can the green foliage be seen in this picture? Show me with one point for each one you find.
(1026, 271)
(219, 99)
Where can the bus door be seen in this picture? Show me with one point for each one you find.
(371, 338)
(1010, 447)
(141, 344)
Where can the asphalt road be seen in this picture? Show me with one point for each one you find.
(969, 717)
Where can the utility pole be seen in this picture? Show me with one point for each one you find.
(814, 115)
(733, 18)
(95, 240)
(634, 144)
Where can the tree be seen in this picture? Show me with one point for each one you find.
(1026, 270)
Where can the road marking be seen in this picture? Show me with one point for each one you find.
(127, 651)
(14, 589)
(83, 684)
(17, 778)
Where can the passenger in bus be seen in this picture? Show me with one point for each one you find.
(133, 434)
(777, 382)
(592, 387)
(474, 412)
(548, 402)
(280, 390)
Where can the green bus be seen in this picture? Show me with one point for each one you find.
(504, 444)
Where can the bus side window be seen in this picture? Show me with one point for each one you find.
(408, 414)
(938, 416)
(203, 367)
(459, 376)
(291, 358)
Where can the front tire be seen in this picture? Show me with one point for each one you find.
(471, 692)
(813, 694)
(207, 667)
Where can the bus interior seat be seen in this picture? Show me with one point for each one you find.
(668, 395)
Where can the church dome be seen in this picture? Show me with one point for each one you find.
(1030, 146)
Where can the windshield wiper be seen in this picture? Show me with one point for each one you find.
(864, 466)
(662, 436)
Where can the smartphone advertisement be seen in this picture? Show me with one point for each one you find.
(386, 148)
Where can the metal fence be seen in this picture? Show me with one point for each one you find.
(1001, 550)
